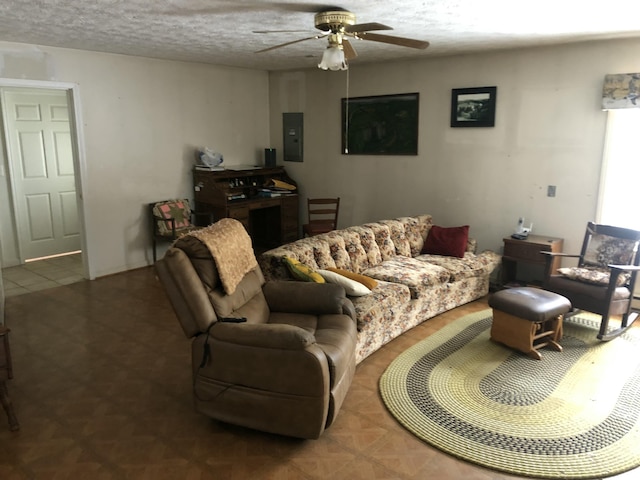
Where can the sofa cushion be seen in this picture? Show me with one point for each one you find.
(382, 235)
(322, 253)
(459, 268)
(368, 242)
(351, 287)
(415, 230)
(337, 249)
(398, 237)
(303, 251)
(447, 241)
(415, 274)
(355, 250)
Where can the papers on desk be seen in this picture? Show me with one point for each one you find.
(270, 192)
(274, 184)
(242, 167)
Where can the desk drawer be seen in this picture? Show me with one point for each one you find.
(240, 213)
(526, 252)
(266, 203)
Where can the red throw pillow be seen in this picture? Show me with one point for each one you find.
(450, 241)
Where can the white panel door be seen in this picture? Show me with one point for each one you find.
(42, 171)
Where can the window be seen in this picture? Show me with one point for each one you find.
(618, 203)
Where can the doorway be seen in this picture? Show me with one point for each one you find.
(40, 194)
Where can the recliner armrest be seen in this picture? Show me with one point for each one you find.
(280, 336)
(305, 297)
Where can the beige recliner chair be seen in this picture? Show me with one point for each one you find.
(277, 357)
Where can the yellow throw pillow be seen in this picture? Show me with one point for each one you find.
(368, 282)
(302, 272)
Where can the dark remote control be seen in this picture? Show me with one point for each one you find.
(233, 319)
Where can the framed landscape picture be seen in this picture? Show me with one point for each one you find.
(473, 107)
(380, 125)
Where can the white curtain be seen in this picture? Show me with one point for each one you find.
(620, 179)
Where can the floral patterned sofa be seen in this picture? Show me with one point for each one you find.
(411, 286)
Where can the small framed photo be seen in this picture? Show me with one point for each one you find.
(473, 107)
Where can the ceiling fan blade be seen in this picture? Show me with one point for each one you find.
(288, 43)
(279, 31)
(232, 6)
(401, 41)
(349, 52)
(366, 27)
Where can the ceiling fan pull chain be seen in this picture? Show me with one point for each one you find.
(346, 118)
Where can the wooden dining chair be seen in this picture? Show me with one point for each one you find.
(322, 214)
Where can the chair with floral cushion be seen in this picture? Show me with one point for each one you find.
(604, 279)
(171, 219)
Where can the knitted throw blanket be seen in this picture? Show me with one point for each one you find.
(230, 247)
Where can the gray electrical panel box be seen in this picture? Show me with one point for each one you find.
(292, 136)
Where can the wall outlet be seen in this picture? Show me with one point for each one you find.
(551, 191)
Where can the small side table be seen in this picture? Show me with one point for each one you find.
(528, 251)
(6, 373)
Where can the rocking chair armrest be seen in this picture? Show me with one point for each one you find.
(560, 254)
(549, 257)
(625, 268)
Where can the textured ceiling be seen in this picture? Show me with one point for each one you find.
(222, 32)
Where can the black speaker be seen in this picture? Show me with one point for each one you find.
(269, 157)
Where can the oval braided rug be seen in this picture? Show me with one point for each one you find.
(573, 414)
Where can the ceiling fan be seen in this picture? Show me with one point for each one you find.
(338, 26)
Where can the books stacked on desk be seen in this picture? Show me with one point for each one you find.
(271, 192)
(236, 196)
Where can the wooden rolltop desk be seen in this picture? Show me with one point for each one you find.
(252, 196)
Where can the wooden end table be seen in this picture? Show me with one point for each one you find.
(528, 251)
(6, 373)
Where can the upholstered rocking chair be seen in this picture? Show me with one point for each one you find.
(604, 279)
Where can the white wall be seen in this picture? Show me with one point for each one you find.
(549, 131)
(143, 120)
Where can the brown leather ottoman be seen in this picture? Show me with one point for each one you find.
(528, 319)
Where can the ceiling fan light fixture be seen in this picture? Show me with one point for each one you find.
(333, 58)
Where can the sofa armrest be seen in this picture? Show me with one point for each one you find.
(305, 297)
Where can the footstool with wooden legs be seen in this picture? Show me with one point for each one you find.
(528, 319)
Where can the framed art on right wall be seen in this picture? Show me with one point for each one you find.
(473, 107)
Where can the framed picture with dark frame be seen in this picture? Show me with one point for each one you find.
(473, 107)
(380, 125)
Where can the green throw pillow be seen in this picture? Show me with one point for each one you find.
(301, 271)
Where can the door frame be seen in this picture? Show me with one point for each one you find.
(79, 153)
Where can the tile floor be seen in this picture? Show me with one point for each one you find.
(102, 390)
(42, 274)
